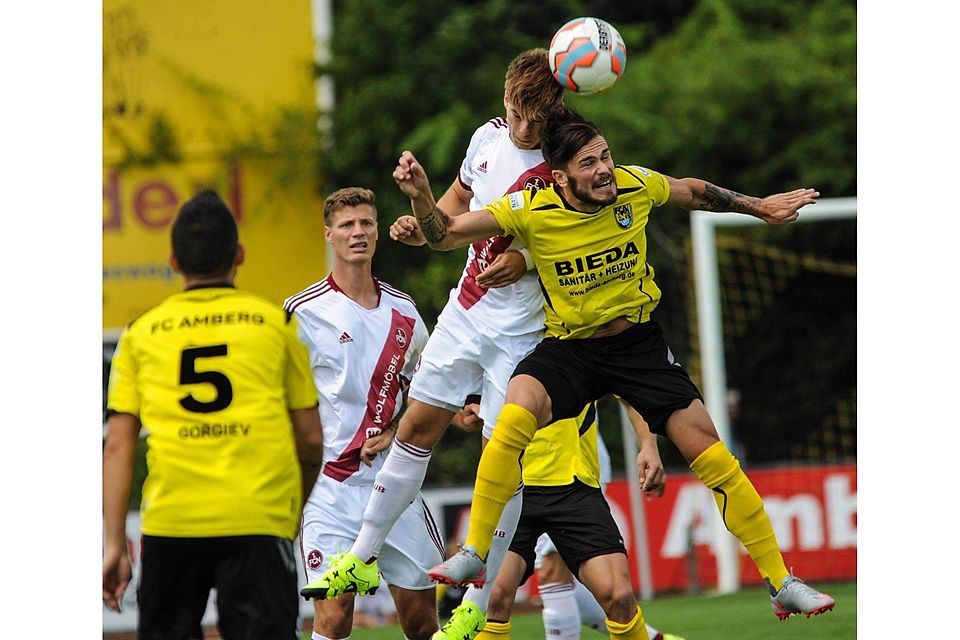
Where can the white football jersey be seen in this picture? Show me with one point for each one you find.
(362, 359)
(492, 168)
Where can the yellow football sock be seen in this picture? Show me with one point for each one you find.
(498, 474)
(742, 509)
(636, 629)
(495, 630)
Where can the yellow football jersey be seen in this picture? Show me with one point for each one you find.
(563, 451)
(593, 266)
(212, 374)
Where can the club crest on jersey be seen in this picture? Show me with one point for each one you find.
(401, 338)
(623, 214)
(534, 183)
(314, 559)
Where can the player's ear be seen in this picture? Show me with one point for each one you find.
(241, 255)
(174, 263)
(560, 177)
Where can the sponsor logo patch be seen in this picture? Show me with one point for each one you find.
(516, 200)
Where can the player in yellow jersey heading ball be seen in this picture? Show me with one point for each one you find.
(221, 383)
(587, 238)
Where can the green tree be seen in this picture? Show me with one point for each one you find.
(749, 94)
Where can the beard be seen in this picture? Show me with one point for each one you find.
(583, 195)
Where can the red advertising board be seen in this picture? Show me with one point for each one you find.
(813, 511)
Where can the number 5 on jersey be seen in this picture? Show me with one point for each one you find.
(190, 375)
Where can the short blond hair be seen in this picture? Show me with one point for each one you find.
(347, 197)
(530, 87)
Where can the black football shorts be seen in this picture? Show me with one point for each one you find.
(255, 578)
(576, 517)
(634, 364)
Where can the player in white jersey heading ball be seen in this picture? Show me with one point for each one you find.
(493, 319)
(364, 338)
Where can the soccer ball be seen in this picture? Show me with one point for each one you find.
(587, 56)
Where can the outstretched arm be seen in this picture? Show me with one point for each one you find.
(780, 208)
(440, 230)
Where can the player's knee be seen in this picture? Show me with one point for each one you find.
(421, 628)
(423, 425)
(417, 614)
(618, 602)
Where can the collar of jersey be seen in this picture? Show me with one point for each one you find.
(211, 285)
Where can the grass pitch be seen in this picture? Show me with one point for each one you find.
(739, 616)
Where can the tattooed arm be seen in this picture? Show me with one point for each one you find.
(440, 230)
(780, 208)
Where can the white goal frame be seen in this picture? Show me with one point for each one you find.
(703, 227)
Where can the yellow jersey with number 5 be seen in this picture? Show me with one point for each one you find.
(212, 373)
(593, 266)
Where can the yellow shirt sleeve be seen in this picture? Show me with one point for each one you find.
(511, 212)
(123, 394)
(657, 186)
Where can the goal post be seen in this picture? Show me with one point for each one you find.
(703, 227)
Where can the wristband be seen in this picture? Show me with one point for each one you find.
(525, 252)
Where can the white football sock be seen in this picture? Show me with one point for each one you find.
(396, 486)
(317, 636)
(502, 538)
(591, 613)
(561, 617)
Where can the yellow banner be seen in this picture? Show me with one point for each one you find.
(208, 94)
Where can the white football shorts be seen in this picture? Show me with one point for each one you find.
(460, 359)
(332, 520)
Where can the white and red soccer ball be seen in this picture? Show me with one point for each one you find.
(587, 56)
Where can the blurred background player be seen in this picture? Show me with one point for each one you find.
(364, 338)
(494, 317)
(222, 385)
(590, 226)
(564, 473)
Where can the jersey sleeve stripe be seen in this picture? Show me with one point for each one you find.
(396, 293)
(317, 290)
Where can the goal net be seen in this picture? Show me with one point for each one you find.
(773, 344)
